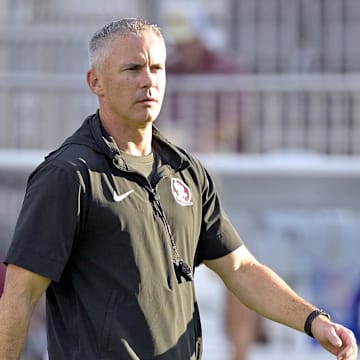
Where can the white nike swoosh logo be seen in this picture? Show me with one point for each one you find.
(118, 198)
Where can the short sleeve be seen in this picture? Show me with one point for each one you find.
(218, 235)
(48, 221)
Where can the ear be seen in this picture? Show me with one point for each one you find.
(93, 78)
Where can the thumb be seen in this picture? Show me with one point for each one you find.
(334, 338)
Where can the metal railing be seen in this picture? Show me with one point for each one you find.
(207, 113)
(272, 36)
(270, 112)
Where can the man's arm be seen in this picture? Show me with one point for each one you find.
(263, 291)
(22, 291)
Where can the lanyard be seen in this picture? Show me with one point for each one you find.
(182, 269)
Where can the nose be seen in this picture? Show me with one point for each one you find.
(148, 78)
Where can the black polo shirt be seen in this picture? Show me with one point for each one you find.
(93, 225)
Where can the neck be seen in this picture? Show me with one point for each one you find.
(133, 140)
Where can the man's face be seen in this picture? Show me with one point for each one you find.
(132, 81)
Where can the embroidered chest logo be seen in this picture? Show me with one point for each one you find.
(181, 192)
(118, 198)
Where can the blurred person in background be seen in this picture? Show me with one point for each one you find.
(244, 327)
(115, 221)
(195, 45)
(194, 50)
(193, 56)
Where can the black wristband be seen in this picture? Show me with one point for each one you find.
(314, 314)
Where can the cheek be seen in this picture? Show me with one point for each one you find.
(161, 84)
(120, 90)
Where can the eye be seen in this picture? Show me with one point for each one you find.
(133, 68)
(157, 68)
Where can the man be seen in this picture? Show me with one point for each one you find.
(114, 222)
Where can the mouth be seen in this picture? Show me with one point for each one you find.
(147, 100)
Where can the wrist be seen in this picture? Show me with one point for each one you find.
(309, 320)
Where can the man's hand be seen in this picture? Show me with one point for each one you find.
(335, 338)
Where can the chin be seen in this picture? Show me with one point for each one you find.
(151, 117)
(143, 122)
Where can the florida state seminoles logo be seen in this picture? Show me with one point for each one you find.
(181, 192)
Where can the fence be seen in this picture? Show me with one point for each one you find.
(297, 35)
(216, 113)
(272, 36)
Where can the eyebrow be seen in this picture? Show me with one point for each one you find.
(131, 64)
(140, 64)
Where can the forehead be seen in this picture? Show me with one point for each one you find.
(131, 47)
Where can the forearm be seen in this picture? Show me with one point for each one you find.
(263, 291)
(22, 291)
(14, 325)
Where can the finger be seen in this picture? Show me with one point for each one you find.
(347, 336)
(350, 353)
(335, 337)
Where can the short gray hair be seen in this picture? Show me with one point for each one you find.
(98, 43)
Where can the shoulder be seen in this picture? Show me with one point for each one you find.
(192, 158)
(80, 150)
(177, 153)
(197, 171)
(69, 163)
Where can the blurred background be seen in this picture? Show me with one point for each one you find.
(265, 92)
